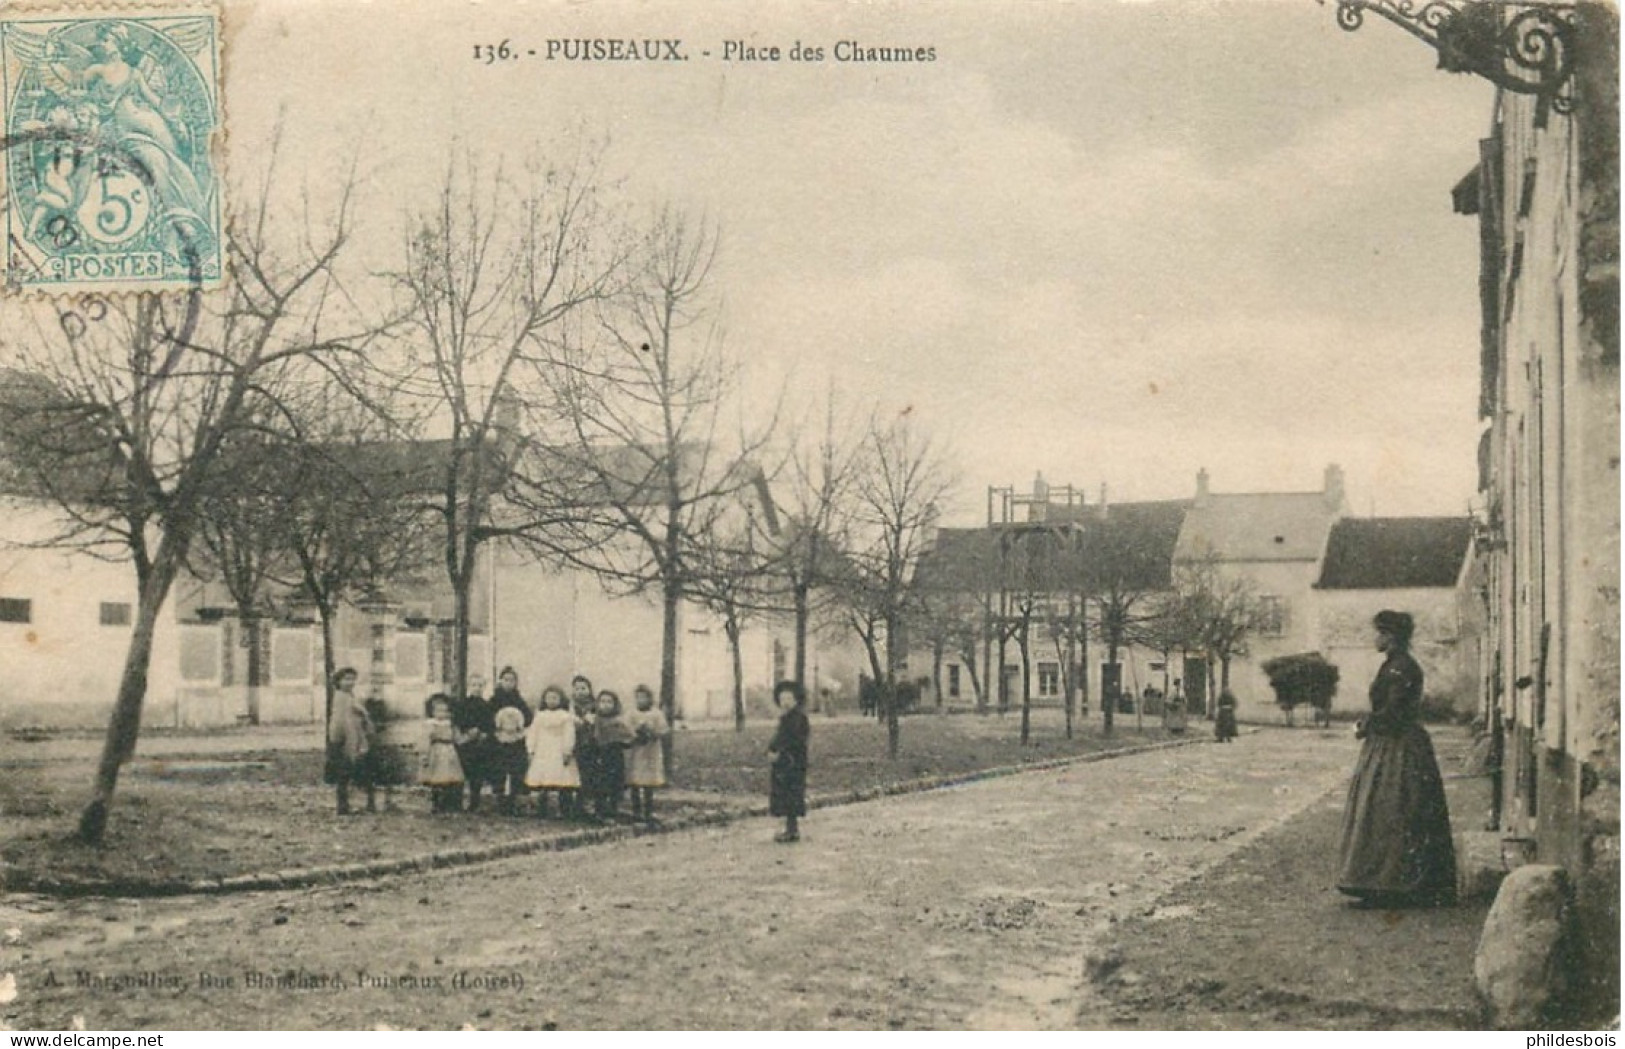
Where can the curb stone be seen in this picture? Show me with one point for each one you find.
(47, 885)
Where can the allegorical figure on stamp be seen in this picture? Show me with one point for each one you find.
(119, 117)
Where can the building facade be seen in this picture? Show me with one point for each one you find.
(1546, 195)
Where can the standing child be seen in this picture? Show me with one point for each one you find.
(581, 703)
(646, 761)
(612, 737)
(508, 759)
(551, 742)
(1224, 724)
(472, 720)
(442, 771)
(350, 735)
(788, 797)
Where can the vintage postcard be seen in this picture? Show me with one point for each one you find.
(1089, 515)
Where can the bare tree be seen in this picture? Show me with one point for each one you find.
(145, 396)
(816, 521)
(900, 483)
(494, 275)
(358, 513)
(644, 468)
(736, 579)
(240, 542)
(1224, 613)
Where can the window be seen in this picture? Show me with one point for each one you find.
(1049, 679)
(953, 680)
(778, 660)
(291, 652)
(16, 610)
(1271, 615)
(115, 613)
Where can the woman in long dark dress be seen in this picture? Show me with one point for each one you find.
(1396, 849)
(788, 795)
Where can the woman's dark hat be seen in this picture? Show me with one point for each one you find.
(1396, 624)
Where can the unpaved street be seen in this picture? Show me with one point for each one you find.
(965, 908)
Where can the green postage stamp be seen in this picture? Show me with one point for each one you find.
(111, 121)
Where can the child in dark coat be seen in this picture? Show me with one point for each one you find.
(612, 737)
(475, 738)
(788, 797)
(586, 749)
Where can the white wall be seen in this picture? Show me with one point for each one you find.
(63, 667)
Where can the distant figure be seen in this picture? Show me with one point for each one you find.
(1397, 850)
(442, 773)
(1173, 714)
(788, 797)
(646, 761)
(350, 738)
(551, 744)
(1224, 724)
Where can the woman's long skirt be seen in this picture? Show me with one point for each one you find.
(1396, 826)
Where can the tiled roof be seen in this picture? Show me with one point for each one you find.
(1390, 553)
(1288, 526)
(1129, 545)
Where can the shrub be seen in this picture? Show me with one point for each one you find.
(1302, 679)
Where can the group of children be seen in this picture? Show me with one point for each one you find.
(584, 750)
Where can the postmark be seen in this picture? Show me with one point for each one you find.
(111, 121)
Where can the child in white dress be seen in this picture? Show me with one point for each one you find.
(551, 743)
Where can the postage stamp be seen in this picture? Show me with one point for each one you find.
(111, 121)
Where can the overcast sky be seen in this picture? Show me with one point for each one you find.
(1114, 242)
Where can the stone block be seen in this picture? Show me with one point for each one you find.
(1521, 967)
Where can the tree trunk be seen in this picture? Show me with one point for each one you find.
(936, 671)
(125, 724)
(969, 655)
(254, 631)
(1083, 662)
(997, 674)
(894, 728)
(461, 585)
(987, 663)
(730, 626)
(1108, 701)
(671, 602)
(1023, 643)
(1212, 693)
(1064, 654)
(329, 667)
(803, 614)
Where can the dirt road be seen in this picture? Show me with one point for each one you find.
(966, 908)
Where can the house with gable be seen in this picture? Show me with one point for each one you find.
(1273, 542)
(1417, 565)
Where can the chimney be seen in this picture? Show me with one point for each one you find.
(1103, 500)
(1201, 487)
(1333, 488)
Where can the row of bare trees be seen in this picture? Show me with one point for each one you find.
(542, 368)
(1054, 589)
